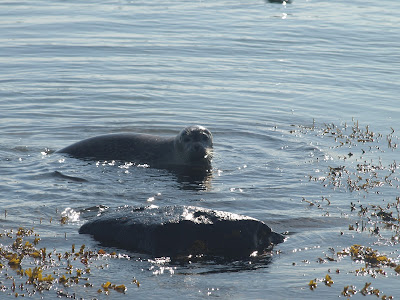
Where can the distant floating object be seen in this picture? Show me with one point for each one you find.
(279, 1)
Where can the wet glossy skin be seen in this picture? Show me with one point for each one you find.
(195, 144)
(191, 147)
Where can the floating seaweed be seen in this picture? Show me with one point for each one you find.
(359, 161)
(365, 175)
(108, 285)
(371, 257)
(52, 269)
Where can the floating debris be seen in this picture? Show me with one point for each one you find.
(52, 270)
(371, 257)
(349, 291)
(363, 175)
(312, 284)
(359, 161)
(328, 280)
(119, 288)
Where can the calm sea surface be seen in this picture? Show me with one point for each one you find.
(302, 99)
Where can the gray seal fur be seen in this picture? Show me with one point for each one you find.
(192, 147)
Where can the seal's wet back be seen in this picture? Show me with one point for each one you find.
(192, 147)
(181, 230)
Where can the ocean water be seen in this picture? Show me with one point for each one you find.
(302, 101)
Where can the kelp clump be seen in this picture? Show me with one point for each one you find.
(38, 270)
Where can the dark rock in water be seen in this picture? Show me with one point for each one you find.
(181, 230)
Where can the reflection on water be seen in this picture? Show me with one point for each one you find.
(195, 180)
(204, 266)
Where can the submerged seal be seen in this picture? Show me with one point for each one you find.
(181, 230)
(192, 147)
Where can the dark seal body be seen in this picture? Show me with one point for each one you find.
(124, 146)
(181, 230)
(191, 147)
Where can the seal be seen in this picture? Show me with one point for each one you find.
(192, 147)
(181, 230)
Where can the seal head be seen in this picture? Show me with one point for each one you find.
(194, 145)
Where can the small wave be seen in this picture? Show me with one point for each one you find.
(58, 174)
(70, 214)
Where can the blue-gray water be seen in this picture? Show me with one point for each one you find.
(247, 70)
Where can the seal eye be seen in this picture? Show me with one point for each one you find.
(204, 137)
(186, 139)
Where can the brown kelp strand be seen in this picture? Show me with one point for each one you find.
(26, 269)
